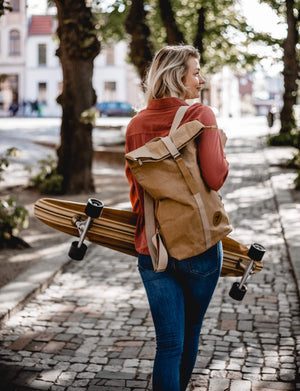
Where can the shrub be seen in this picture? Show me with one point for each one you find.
(12, 219)
(297, 181)
(281, 139)
(48, 181)
(4, 163)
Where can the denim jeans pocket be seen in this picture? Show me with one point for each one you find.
(145, 262)
(207, 263)
(146, 271)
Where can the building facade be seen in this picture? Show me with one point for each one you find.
(31, 74)
(13, 35)
(43, 70)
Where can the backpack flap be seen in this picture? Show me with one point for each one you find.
(155, 150)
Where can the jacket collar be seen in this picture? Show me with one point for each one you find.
(164, 103)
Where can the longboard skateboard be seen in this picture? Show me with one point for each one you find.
(115, 229)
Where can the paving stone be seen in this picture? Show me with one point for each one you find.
(40, 385)
(53, 347)
(49, 375)
(218, 384)
(35, 346)
(272, 386)
(114, 375)
(136, 384)
(22, 341)
(240, 385)
(57, 388)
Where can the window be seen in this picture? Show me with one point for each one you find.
(110, 89)
(42, 92)
(15, 4)
(14, 43)
(110, 56)
(42, 53)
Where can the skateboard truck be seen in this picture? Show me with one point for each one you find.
(93, 210)
(238, 290)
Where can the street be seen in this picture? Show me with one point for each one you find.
(90, 329)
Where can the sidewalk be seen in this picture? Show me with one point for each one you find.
(88, 327)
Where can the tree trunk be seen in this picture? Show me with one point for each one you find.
(290, 72)
(141, 51)
(174, 35)
(198, 42)
(78, 48)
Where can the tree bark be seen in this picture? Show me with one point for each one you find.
(198, 42)
(78, 48)
(291, 70)
(141, 50)
(174, 35)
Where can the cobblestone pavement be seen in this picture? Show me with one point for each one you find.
(91, 328)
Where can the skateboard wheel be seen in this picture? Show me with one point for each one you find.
(77, 253)
(256, 252)
(236, 292)
(93, 208)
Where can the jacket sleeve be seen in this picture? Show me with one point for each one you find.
(212, 159)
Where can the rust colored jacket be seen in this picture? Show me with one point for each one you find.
(156, 121)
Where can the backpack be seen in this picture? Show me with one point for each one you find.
(183, 217)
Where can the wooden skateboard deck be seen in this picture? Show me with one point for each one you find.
(115, 229)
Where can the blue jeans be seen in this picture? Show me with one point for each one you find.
(178, 299)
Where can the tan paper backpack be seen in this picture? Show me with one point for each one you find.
(183, 217)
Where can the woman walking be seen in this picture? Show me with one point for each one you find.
(180, 295)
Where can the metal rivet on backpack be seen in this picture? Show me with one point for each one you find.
(217, 218)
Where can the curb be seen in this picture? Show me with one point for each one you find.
(14, 295)
(289, 215)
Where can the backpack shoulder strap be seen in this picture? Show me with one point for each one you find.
(178, 117)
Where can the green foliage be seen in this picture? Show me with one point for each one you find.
(48, 181)
(295, 164)
(295, 161)
(227, 38)
(111, 20)
(297, 181)
(14, 152)
(12, 219)
(282, 139)
(5, 7)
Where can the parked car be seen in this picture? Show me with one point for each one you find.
(115, 109)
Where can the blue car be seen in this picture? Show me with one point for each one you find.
(115, 109)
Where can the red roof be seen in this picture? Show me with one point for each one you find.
(41, 24)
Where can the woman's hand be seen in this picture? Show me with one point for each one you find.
(223, 137)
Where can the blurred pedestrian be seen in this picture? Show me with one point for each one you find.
(13, 108)
(180, 295)
(34, 108)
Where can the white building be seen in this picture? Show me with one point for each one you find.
(225, 93)
(114, 78)
(31, 72)
(43, 70)
(13, 31)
